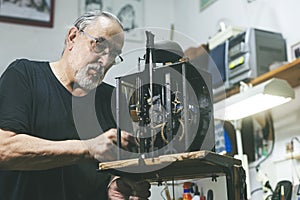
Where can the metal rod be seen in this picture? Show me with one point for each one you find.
(118, 90)
(185, 105)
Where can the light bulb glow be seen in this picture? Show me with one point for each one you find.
(250, 106)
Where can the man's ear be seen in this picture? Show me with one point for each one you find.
(71, 38)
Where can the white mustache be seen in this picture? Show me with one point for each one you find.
(88, 79)
(100, 70)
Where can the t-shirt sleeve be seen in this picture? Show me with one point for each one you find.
(15, 99)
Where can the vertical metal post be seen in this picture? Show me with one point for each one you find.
(168, 127)
(118, 90)
(243, 157)
(149, 60)
(185, 105)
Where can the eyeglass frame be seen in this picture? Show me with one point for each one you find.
(117, 58)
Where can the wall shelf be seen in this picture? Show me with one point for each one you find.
(289, 72)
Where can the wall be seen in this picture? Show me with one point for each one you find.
(194, 28)
(21, 41)
(273, 15)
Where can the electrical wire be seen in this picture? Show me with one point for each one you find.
(161, 194)
(270, 121)
(296, 138)
(256, 190)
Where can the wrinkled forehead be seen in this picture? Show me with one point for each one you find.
(108, 29)
(116, 40)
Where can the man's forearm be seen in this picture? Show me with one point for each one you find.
(25, 152)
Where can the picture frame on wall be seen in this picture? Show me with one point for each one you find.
(89, 5)
(295, 51)
(129, 12)
(205, 3)
(27, 12)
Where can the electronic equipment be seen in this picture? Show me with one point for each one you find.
(219, 58)
(225, 138)
(169, 103)
(252, 52)
(217, 67)
(244, 57)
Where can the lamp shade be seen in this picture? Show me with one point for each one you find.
(264, 96)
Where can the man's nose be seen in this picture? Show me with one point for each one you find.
(105, 61)
(103, 58)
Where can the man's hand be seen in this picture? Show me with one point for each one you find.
(126, 189)
(104, 147)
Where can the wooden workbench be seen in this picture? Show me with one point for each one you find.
(198, 164)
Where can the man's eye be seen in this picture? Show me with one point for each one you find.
(100, 47)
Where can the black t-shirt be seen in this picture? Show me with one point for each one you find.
(34, 102)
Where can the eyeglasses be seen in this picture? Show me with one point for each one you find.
(101, 44)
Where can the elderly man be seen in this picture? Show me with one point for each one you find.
(47, 152)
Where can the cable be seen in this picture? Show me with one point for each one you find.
(264, 180)
(296, 138)
(161, 194)
(261, 177)
(269, 120)
(256, 190)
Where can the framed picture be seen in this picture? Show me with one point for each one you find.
(89, 5)
(205, 3)
(28, 12)
(295, 50)
(130, 13)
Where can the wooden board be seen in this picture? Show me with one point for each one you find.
(198, 164)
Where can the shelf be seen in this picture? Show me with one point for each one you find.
(289, 72)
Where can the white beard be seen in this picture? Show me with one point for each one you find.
(88, 81)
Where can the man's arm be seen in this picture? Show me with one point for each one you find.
(25, 152)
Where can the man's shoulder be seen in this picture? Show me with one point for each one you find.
(105, 87)
(24, 66)
(23, 62)
(105, 91)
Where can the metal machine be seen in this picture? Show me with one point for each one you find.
(245, 57)
(169, 103)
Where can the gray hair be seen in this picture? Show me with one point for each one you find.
(88, 18)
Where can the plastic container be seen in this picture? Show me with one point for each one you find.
(187, 191)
